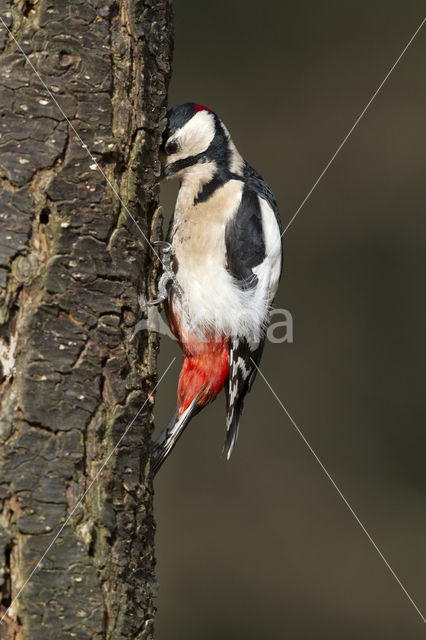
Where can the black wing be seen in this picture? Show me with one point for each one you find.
(245, 250)
(256, 183)
(244, 241)
(244, 238)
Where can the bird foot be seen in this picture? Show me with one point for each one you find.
(168, 277)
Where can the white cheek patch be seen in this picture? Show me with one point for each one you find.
(194, 137)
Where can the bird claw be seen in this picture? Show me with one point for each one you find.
(168, 277)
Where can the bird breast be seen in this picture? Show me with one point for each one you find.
(212, 302)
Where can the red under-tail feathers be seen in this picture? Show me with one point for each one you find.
(204, 371)
(205, 365)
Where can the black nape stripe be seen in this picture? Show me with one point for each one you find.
(219, 153)
(208, 189)
(221, 177)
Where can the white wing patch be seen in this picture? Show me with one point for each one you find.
(268, 271)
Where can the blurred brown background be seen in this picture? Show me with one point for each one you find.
(263, 546)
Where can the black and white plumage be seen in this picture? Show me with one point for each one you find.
(243, 359)
(226, 238)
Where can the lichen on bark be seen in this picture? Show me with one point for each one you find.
(72, 263)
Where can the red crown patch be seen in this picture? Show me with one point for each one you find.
(199, 107)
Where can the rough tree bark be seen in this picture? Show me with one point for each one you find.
(71, 266)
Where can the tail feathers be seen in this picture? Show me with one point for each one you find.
(232, 425)
(243, 359)
(171, 434)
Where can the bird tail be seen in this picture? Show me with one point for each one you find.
(232, 425)
(171, 434)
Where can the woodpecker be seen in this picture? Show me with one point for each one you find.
(222, 264)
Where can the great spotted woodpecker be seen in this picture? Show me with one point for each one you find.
(224, 260)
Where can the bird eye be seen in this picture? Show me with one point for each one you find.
(172, 147)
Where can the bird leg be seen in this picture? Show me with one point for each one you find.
(168, 277)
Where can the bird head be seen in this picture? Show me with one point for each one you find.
(196, 140)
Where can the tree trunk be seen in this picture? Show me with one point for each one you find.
(71, 265)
